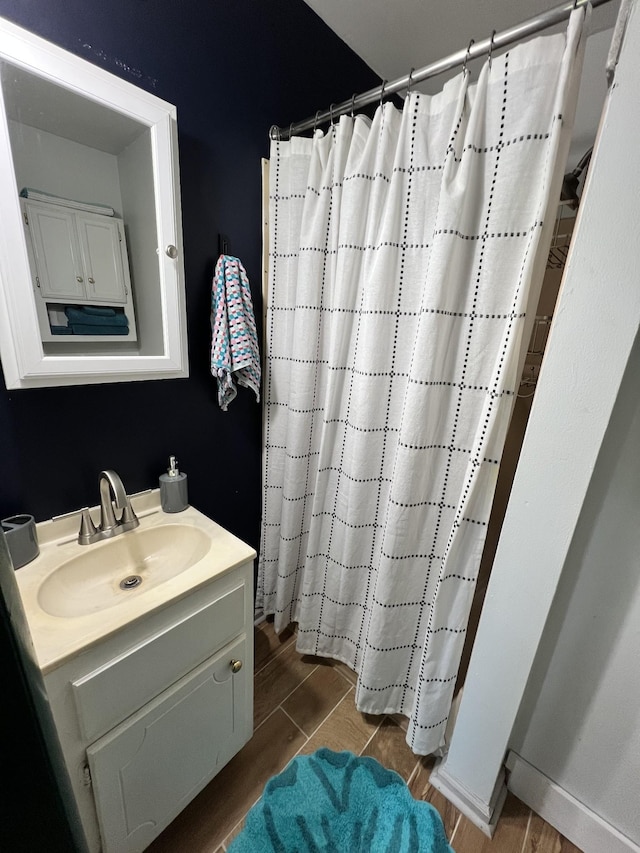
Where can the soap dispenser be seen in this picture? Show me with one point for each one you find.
(173, 488)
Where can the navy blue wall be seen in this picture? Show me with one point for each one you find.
(232, 68)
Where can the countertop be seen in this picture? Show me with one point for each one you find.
(56, 639)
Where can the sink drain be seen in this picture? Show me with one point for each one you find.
(131, 582)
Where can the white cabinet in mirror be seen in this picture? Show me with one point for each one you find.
(91, 266)
(80, 266)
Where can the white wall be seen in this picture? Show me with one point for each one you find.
(579, 724)
(591, 97)
(65, 168)
(594, 329)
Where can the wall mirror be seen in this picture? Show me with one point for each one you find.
(91, 266)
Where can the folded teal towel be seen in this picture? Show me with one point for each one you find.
(61, 330)
(84, 329)
(99, 312)
(81, 315)
(337, 802)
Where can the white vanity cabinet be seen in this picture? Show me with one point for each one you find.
(147, 717)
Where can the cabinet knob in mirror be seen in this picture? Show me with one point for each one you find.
(79, 278)
(236, 665)
(91, 280)
(171, 251)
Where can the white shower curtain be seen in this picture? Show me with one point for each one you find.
(404, 254)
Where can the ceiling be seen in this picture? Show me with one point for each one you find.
(393, 36)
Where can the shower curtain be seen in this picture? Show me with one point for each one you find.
(404, 253)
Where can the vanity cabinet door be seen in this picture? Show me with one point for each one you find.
(100, 241)
(145, 771)
(57, 253)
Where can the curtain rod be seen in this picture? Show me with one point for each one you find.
(494, 42)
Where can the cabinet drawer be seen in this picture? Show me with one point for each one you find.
(111, 693)
(148, 768)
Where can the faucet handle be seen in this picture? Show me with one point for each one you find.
(129, 516)
(87, 528)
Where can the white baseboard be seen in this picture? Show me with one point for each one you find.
(484, 816)
(558, 807)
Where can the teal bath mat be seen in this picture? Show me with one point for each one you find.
(336, 802)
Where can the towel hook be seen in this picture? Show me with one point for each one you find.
(410, 83)
(384, 83)
(466, 59)
(493, 35)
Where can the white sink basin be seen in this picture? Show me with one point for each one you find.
(71, 594)
(140, 559)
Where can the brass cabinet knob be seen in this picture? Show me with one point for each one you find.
(236, 665)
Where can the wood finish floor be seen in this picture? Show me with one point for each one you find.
(302, 703)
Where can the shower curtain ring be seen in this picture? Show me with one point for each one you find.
(466, 59)
(493, 35)
(353, 101)
(331, 115)
(410, 83)
(290, 130)
(384, 83)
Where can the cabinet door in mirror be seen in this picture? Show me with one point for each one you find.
(80, 272)
(89, 198)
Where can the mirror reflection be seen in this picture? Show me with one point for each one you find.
(84, 174)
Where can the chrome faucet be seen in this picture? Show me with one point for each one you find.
(111, 491)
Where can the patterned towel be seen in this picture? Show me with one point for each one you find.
(234, 341)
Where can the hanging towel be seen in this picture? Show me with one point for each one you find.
(234, 341)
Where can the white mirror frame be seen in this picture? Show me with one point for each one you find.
(24, 361)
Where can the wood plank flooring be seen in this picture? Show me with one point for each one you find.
(303, 703)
